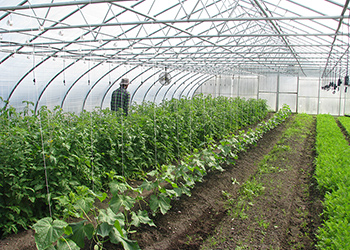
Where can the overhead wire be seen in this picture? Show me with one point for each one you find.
(43, 149)
(91, 137)
(64, 71)
(155, 126)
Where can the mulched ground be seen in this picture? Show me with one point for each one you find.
(290, 208)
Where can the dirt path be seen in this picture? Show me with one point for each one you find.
(286, 206)
(285, 214)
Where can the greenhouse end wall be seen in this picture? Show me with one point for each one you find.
(302, 94)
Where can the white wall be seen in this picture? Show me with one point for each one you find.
(302, 94)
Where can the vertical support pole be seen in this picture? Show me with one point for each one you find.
(238, 81)
(232, 84)
(218, 83)
(214, 83)
(298, 87)
(277, 92)
(318, 97)
(345, 96)
(258, 88)
(339, 101)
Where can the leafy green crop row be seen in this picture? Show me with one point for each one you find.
(333, 176)
(345, 122)
(114, 223)
(87, 149)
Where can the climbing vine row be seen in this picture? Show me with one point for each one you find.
(166, 183)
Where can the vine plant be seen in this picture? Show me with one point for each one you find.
(81, 149)
(115, 222)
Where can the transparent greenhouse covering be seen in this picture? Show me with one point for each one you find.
(73, 54)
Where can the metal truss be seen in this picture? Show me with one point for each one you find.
(202, 38)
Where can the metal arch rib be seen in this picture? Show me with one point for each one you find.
(280, 35)
(199, 85)
(156, 72)
(6, 14)
(189, 34)
(184, 79)
(60, 4)
(67, 44)
(159, 89)
(173, 85)
(112, 84)
(202, 37)
(203, 78)
(335, 36)
(196, 76)
(48, 84)
(232, 19)
(142, 82)
(25, 75)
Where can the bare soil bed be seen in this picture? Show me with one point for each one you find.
(284, 216)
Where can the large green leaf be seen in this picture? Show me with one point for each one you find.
(66, 244)
(141, 217)
(48, 231)
(104, 229)
(115, 187)
(173, 184)
(121, 200)
(183, 190)
(80, 231)
(100, 196)
(162, 202)
(153, 172)
(108, 216)
(84, 204)
(116, 237)
(148, 185)
(119, 228)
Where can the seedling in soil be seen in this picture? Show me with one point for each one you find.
(263, 223)
(234, 181)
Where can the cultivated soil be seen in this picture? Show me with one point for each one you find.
(285, 215)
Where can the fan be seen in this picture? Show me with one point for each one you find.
(165, 78)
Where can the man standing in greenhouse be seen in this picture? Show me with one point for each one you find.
(121, 97)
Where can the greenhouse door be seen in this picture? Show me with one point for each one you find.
(287, 92)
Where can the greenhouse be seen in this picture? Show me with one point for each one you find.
(174, 124)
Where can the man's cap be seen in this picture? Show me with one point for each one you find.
(125, 81)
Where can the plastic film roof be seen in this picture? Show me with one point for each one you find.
(73, 54)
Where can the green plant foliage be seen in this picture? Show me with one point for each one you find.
(80, 230)
(48, 231)
(99, 225)
(112, 223)
(345, 122)
(333, 176)
(331, 167)
(90, 148)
